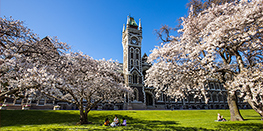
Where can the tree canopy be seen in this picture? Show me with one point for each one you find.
(22, 52)
(222, 42)
(35, 67)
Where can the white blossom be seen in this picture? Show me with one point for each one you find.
(224, 43)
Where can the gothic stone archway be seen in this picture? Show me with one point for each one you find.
(149, 99)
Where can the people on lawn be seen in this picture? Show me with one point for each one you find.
(123, 122)
(220, 118)
(106, 122)
(115, 122)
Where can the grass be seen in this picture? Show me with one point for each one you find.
(136, 120)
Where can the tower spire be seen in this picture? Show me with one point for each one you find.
(128, 20)
(140, 24)
(123, 28)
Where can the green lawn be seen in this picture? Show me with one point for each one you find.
(136, 120)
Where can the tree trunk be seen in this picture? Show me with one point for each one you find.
(256, 107)
(83, 116)
(233, 107)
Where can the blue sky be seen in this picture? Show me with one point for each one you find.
(94, 27)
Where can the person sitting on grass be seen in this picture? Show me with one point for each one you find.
(220, 118)
(115, 122)
(106, 122)
(123, 122)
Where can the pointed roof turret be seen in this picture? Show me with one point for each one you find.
(140, 24)
(128, 20)
(131, 22)
(144, 57)
(123, 28)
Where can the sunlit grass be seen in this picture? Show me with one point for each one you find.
(136, 120)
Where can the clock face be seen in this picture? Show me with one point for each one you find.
(134, 41)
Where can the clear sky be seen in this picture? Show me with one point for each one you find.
(94, 27)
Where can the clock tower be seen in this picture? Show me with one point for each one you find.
(132, 62)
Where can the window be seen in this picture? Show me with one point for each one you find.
(131, 51)
(160, 98)
(137, 64)
(217, 86)
(131, 63)
(220, 97)
(209, 96)
(212, 86)
(135, 94)
(197, 100)
(130, 79)
(131, 55)
(135, 77)
(137, 56)
(214, 97)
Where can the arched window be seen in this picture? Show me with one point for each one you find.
(211, 85)
(131, 63)
(137, 64)
(137, 54)
(217, 86)
(209, 96)
(135, 78)
(136, 93)
(131, 55)
(214, 97)
(131, 50)
(149, 98)
(220, 97)
(160, 98)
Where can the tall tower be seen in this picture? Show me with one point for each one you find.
(132, 62)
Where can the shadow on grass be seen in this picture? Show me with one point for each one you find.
(36, 117)
(20, 118)
(69, 118)
(241, 126)
(138, 124)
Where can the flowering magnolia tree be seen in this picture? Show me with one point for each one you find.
(24, 57)
(222, 42)
(85, 82)
(30, 65)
